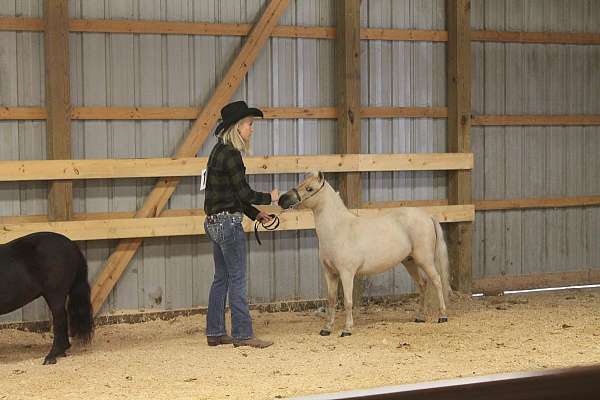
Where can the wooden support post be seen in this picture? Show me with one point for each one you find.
(347, 57)
(459, 137)
(158, 198)
(58, 123)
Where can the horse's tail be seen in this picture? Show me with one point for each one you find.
(441, 259)
(81, 318)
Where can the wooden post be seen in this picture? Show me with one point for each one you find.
(58, 123)
(347, 58)
(158, 198)
(459, 137)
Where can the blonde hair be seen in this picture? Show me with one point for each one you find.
(232, 136)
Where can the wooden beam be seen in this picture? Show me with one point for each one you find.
(514, 204)
(191, 212)
(497, 284)
(158, 198)
(580, 38)
(459, 136)
(347, 55)
(347, 85)
(406, 35)
(21, 24)
(293, 31)
(535, 120)
(22, 113)
(58, 122)
(27, 170)
(480, 205)
(404, 112)
(191, 113)
(183, 225)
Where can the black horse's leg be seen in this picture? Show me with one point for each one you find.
(60, 327)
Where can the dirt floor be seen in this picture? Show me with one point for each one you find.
(170, 359)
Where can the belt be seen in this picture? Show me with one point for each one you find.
(212, 218)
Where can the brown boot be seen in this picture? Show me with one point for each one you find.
(252, 342)
(217, 340)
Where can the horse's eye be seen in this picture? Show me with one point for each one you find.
(309, 189)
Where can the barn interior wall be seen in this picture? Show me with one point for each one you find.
(172, 70)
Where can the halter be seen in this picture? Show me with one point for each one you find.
(274, 224)
(306, 198)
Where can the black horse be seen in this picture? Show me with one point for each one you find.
(50, 265)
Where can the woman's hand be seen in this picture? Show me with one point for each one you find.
(263, 217)
(274, 195)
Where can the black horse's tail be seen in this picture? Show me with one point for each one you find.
(81, 318)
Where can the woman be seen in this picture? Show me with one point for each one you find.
(228, 195)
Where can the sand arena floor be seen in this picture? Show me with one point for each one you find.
(170, 359)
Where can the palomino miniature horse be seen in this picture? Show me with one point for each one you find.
(350, 245)
(50, 265)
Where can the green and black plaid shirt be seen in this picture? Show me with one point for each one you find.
(226, 185)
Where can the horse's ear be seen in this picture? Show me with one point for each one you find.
(321, 176)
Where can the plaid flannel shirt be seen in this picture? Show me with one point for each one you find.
(226, 185)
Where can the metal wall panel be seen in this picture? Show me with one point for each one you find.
(522, 162)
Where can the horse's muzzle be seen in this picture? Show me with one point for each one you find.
(289, 199)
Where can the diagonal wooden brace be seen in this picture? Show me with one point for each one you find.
(164, 189)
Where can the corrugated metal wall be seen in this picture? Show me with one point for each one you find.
(524, 162)
(169, 70)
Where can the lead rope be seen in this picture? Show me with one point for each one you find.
(270, 226)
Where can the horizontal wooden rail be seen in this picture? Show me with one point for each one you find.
(480, 205)
(22, 113)
(559, 202)
(581, 38)
(25, 170)
(497, 284)
(504, 204)
(292, 31)
(121, 228)
(191, 113)
(535, 120)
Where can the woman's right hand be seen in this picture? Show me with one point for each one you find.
(274, 195)
(263, 217)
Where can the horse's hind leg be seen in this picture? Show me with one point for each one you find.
(332, 281)
(60, 326)
(434, 277)
(413, 270)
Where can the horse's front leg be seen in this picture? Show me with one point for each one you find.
(348, 285)
(332, 280)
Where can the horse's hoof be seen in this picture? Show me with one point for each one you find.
(419, 320)
(442, 319)
(325, 332)
(344, 334)
(49, 361)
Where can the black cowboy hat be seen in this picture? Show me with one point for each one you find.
(233, 112)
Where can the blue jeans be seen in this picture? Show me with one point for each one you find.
(229, 253)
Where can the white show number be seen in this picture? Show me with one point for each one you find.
(203, 180)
